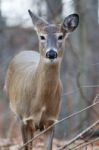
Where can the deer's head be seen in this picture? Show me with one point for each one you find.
(51, 36)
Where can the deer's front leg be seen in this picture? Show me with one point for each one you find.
(27, 130)
(24, 134)
(48, 139)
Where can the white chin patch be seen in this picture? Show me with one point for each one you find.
(52, 61)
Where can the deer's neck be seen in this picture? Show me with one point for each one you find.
(48, 72)
(48, 77)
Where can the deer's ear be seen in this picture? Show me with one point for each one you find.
(37, 21)
(70, 23)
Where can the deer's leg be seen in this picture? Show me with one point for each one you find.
(30, 133)
(24, 134)
(49, 137)
(27, 134)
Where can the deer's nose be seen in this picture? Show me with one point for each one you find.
(51, 54)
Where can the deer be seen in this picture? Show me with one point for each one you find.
(33, 83)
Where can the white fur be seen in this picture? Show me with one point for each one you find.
(52, 61)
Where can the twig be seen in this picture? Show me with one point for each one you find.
(96, 98)
(79, 135)
(84, 140)
(72, 115)
(85, 144)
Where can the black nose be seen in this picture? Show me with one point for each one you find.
(51, 54)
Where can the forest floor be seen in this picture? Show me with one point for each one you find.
(14, 140)
(5, 144)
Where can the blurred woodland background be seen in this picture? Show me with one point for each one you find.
(80, 66)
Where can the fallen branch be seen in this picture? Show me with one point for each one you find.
(57, 122)
(85, 144)
(79, 135)
(85, 139)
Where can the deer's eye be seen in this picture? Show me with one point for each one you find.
(42, 37)
(60, 37)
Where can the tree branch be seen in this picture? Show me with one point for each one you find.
(79, 135)
(85, 144)
(86, 140)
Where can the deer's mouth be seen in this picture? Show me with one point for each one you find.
(52, 61)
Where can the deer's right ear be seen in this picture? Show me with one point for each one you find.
(37, 21)
(70, 23)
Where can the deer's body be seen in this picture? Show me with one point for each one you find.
(33, 80)
(41, 83)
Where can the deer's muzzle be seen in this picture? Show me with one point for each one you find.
(51, 54)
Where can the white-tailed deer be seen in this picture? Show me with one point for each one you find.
(33, 79)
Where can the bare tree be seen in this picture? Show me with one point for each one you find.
(54, 9)
(89, 47)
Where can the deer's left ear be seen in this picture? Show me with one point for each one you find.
(70, 23)
(37, 21)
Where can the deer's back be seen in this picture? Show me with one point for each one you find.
(19, 79)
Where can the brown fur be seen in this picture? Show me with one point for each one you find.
(31, 86)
